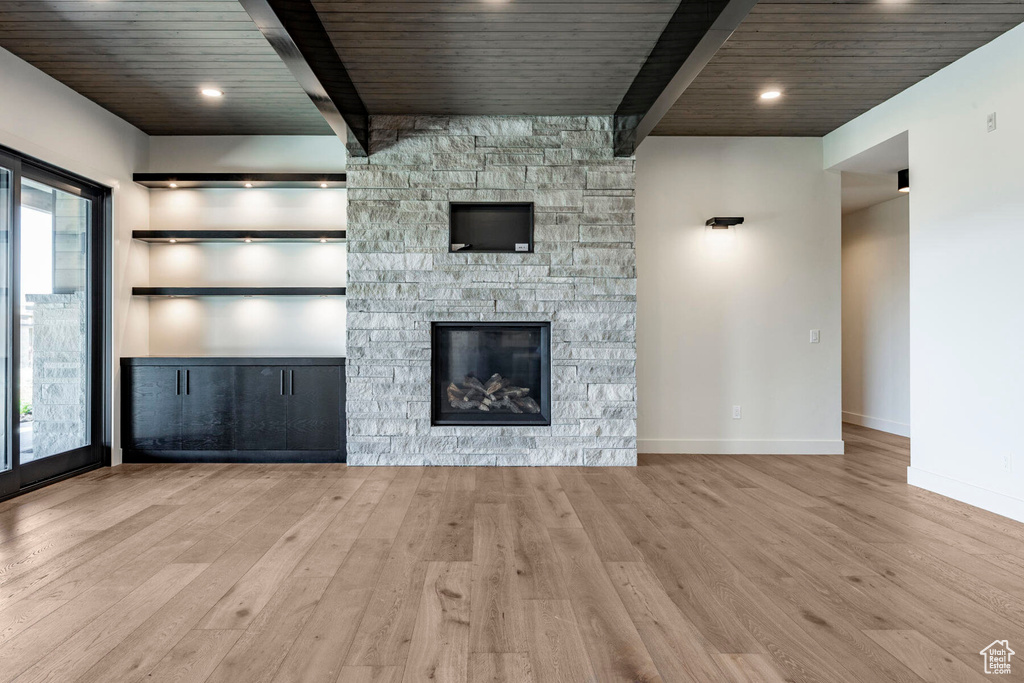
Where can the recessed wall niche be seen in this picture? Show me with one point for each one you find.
(248, 325)
(491, 227)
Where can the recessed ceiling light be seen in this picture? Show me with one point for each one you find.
(323, 241)
(173, 185)
(248, 184)
(771, 95)
(247, 240)
(212, 92)
(172, 241)
(323, 184)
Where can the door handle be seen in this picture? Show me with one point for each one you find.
(291, 378)
(177, 382)
(282, 382)
(188, 382)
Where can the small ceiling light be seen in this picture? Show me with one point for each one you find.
(212, 92)
(323, 241)
(248, 184)
(324, 185)
(904, 180)
(172, 241)
(173, 185)
(248, 240)
(723, 222)
(771, 95)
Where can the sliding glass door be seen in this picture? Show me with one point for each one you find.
(51, 298)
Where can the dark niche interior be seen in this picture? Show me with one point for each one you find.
(491, 227)
(491, 373)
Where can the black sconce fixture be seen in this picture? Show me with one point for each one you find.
(723, 222)
(904, 180)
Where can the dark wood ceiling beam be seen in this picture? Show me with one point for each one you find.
(692, 37)
(293, 28)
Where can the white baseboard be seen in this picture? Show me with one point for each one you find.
(878, 423)
(739, 447)
(999, 503)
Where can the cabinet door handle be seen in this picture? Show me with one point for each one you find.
(282, 382)
(177, 382)
(291, 380)
(188, 382)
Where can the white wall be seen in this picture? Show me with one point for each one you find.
(876, 316)
(43, 118)
(272, 326)
(252, 153)
(966, 279)
(724, 317)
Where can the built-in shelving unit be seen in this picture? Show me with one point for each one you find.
(186, 181)
(237, 291)
(230, 236)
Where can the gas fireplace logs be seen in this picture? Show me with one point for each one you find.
(497, 393)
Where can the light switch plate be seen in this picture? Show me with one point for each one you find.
(991, 122)
(815, 336)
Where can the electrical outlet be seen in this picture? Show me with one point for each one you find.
(815, 336)
(991, 122)
(737, 413)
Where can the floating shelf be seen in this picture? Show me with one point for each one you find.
(239, 180)
(193, 236)
(237, 291)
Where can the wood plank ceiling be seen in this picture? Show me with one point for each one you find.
(477, 57)
(146, 60)
(832, 61)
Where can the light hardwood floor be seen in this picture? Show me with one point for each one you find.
(687, 568)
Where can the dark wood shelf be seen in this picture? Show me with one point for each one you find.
(193, 236)
(186, 181)
(237, 291)
(231, 360)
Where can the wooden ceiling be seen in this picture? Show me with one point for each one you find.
(497, 57)
(146, 60)
(832, 61)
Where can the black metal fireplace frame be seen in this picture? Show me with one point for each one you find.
(438, 384)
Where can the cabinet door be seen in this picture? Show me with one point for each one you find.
(154, 415)
(262, 409)
(314, 409)
(208, 408)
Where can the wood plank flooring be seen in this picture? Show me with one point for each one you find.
(687, 568)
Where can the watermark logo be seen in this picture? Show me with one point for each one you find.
(997, 657)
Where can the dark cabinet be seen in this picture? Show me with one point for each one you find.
(313, 406)
(153, 408)
(262, 408)
(233, 410)
(207, 408)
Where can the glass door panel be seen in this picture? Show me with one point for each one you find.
(6, 229)
(54, 406)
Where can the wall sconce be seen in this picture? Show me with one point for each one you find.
(723, 222)
(904, 180)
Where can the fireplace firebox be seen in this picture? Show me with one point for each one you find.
(491, 373)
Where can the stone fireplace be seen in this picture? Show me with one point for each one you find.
(430, 326)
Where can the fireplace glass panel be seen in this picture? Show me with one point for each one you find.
(491, 374)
